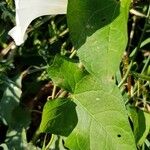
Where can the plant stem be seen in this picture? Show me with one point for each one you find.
(142, 35)
(54, 91)
(50, 142)
(73, 53)
(126, 75)
(146, 64)
(135, 54)
(63, 94)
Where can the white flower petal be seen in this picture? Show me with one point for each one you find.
(28, 10)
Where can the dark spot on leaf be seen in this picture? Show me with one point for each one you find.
(103, 19)
(112, 77)
(119, 135)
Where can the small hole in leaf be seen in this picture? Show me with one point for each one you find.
(119, 135)
(112, 77)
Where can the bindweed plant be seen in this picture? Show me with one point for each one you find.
(94, 90)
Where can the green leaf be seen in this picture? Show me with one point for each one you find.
(16, 117)
(65, 73)
(20, 118)
(140, 76)
(86, 17)
(58, 117)
(102, 119)
(16, 139)
(4, 146)
(141, 125)
(10, 99)
(103, 25)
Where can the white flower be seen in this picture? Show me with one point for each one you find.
(28, 10)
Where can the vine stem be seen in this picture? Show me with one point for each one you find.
(126, 75)
(144, 29)
(7, 49)
(54, 91)
(73, 53)
(50, 142)
(135, 54)
(139, 44)
(146, 64)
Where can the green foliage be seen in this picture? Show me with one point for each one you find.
(96, 111)
(54, 98)
(106, 49)
(59, 117)
(141, 122)
(65, 73)
(13, 115)
(10, 99)
(96, 100)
